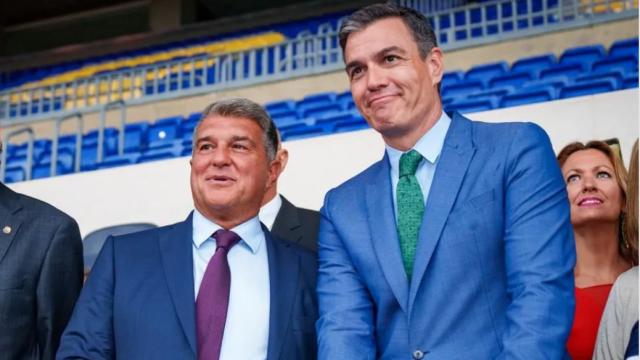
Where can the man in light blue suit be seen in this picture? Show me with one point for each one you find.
(215, 286)
(457, 244)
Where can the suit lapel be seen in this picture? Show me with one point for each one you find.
(177, 260)
(287, 221)
(452, 166)
(283, 281)
(384, 235)
(10, 219)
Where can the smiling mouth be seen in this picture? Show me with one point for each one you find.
(380, 99)
(590, 202)
(220, 179)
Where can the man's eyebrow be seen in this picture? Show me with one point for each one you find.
(237, 138)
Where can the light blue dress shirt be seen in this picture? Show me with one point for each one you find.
(246, 331)
(430, 147)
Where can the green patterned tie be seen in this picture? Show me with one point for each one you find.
(410, 208)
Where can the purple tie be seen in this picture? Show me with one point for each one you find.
(213, 298)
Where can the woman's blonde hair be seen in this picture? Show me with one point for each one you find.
(625, 248)
(631, 217)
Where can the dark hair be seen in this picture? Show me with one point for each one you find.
(417, 23)
(246, 109)
(621, 178)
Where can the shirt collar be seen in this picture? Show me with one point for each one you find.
(269, 211)
(429, 145)
(249, 231)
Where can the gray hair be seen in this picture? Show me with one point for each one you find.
(417, 23)
(246, 109)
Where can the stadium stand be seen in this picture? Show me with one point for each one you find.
(289, 50)
(581, 71)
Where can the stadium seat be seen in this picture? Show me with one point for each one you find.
(587, 88)
(585, 56)
(452, 77)
(65, 163)
(321, 110)
(614, 75)
(135, 135)
(163, 132)
(277, 107)
(512, 79)
(534, 64)
(498, 92)
(345, 100)
(14, 174)
(300, 131)
(562, 71)
(624, 47)
(484, 73)
(462, 89)
(329, 122)
(624, 64)
(630, 81)
(119, 160)
(315, 101)
(464, 106)
(153, 154)
(526, 96)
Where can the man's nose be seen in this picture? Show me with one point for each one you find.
(220, 157)
(376, 78)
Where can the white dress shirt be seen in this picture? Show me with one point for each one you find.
(269, 211)
(430, 147)
(246, 331)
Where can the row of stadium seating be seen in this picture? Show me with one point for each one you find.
(579, 71)
(189, 65)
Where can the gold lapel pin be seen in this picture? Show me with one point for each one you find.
(6, 229)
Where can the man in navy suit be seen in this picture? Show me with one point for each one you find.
(457, 244)
(148, 291)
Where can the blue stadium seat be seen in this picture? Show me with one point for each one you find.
(187, 126)
(345, 100)
(587, 88)
(315, 101)
(163, 132)
(40, 146)
(526, 96)
(512, 79)
(135, 135)
(119, 160)
(499, 92)
(452, 77)
(485, 72)
(277, 107)
(630, 81)
(66, 161)
(110, 144)
(92, 242)
(301, 131)
(14, 174)
(624, 47)
(464, 106)
(562, 71)
(614, 75)
(154, 154)
(321, 110)
(583, 55)
(287, 120)
(329, 122)
(462, 89)
(534, 64)
(624, 64)
(553, 84)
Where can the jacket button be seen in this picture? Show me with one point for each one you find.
(417, 355)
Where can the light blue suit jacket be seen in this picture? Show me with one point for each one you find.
(138, 302)
(493, 269)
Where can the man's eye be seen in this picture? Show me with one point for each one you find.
(390, 58)
(205, 147)
(239, 147)
(356, 71)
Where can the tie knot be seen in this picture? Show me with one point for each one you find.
(409, 162)
(225, 239)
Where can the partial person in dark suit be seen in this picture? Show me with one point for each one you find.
(40, 275)
(215, 286)
(284, 219)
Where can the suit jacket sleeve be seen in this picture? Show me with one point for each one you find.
(89, 334)
(539, 250)
(59, 284)
(346, 325)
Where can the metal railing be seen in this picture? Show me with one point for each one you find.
(307, 54)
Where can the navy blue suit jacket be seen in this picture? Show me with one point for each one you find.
(493, 268)
(138, 302)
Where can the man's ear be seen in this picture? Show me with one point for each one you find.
(435, 62)
(283, 157)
